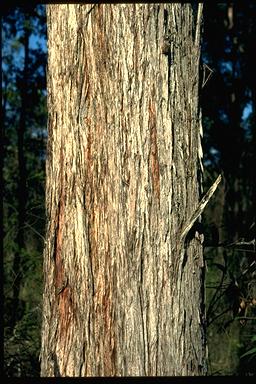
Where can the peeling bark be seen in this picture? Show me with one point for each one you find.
(123, 292)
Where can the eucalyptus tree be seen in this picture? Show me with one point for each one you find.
(123, 264)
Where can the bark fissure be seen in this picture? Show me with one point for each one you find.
(124, 119)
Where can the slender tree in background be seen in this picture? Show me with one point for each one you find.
(226, 101)
(123, 283)
(228, 109)
(22, 176)
(24, 129)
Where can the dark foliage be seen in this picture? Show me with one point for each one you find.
(24, 135)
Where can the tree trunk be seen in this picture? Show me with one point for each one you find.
(123, 290)
(21, 188)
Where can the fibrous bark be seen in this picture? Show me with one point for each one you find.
(123, 292)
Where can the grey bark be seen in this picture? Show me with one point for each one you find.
(124, 292)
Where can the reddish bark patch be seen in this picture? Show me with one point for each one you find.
(65, 311)
(153, 154)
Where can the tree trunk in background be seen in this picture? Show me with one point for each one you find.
(123, 292)
(21, 188)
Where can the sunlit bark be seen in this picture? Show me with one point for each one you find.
(123, 292)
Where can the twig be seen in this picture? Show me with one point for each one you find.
(198, 23)
(205, 79)
(201, 206)
(252, 242)
(245, 318)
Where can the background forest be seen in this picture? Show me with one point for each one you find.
(228, 100)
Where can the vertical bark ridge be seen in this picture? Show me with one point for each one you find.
(129, 125)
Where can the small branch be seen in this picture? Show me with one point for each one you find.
(226, 246)
(245, 318)
(246, 270)
(206, 78)
(252, 242)
(198, 23)
(201, 206)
